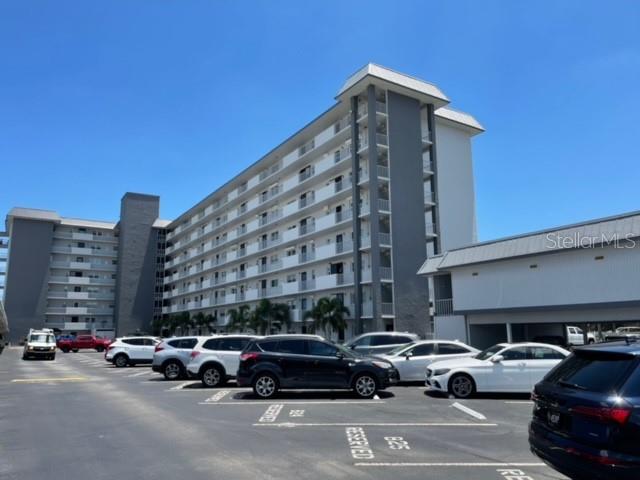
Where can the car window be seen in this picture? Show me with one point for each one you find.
(544, 353)
(211, 344)
(174, 343)
(379, 340)
(188, 343)
(233, 344)
(148, 342)
(321, 349)
(632, 385)
(362, 342)
(600, 374)
(489, 352)
(451, 349)
(422, 350)
(296, 347)
(133, 341)
(269, 346)
(516, 353)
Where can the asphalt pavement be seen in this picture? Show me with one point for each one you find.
(80, 418)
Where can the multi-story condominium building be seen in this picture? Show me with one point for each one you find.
(4, 246)
(78, 276)
(347, 207)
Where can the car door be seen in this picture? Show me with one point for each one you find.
(146, 349)
(324, 368)
(229, 351)
(184, 348)
(539, 361)
(511, 374)
(293, 361)
(83, 341)
(412, 363)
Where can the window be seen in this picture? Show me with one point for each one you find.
(632, 385)
(363, 342)
(148, 342)
(211, 344)
(389, 340)
(296, 347)
(451, 349)
(544, 353)
(518, 353)
(595, 373)
(422, 350)
(132, 341)
(321, 349)
(188, 343)
(269, 346)
(233, 344)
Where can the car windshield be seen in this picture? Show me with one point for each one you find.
(489, 352)
(400, 349)
(347, 351)
(41, 337)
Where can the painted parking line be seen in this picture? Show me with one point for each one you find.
(519, 402)
(296, 402)
(468, 411)
(218, 396)
(138, 374)
(47, 380)
(360, 424)
(447, 464)
(183, 385)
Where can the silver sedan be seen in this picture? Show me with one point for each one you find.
(412, 360)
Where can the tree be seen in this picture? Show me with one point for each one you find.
(200, 320)
(184, 322)
(328, 315)
(268, 317)
(239, 319)
(208, 320)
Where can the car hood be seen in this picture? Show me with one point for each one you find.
(458, 363)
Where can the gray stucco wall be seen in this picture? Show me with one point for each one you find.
(137, 249)
(27, 276)
(456, 194)
(407, 223)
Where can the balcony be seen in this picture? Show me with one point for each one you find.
(386, 273)
(427, 169)
(386, 309)
(307, 228)
(306, 201)
(429, 199)
(305, 174)
(430, 229)
(384, 205)
(444, 307)
(363, 109)
(383, 171)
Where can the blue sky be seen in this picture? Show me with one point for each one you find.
(175, 97)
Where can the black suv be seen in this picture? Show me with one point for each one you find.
(305, 362)
(586, 418)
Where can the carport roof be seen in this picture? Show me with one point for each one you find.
(601, 231)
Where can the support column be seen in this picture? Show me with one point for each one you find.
(435, 218)
(355, 210)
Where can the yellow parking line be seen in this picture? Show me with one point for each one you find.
(46, 380)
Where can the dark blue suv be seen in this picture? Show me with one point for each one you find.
(586, 416)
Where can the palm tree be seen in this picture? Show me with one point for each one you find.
(328, 315)
(200, 320)
(208, 320)
(185, 322)
(171, 323)
(240, 318)
(270, 317)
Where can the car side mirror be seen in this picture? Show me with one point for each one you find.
(408, 355)
(352, 347)
(497, 358)
(339, 355)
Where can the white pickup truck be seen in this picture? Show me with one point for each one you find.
(575, 336)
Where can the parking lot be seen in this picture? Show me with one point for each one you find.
(88, 419)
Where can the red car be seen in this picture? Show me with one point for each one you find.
(83, 341)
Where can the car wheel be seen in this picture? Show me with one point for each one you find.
(212, 376)
(365, 385)
(121, 360)
(65, 350)
(100, 349)
(462, 386)
(172, 370)
(265, 385)
(74, 350)
(591, 341)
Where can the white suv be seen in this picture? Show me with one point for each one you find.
(215, 360)
(131, 350)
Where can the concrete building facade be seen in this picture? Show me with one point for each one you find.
(347, 207)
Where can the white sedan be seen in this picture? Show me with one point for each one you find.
(412, 360)
(506, 367)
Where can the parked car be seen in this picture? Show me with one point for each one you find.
(586, 421)
(131, 351)
(505, 367)
(376, 343)
(622, 334)
(172, 355)
(91, 342)
(412, 360)
(301, 362)
(215, 360)
(40, 344)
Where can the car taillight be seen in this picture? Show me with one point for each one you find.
(248, 356)
(110, 347)
(604, 414)
(158, 348)
(194, 354)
